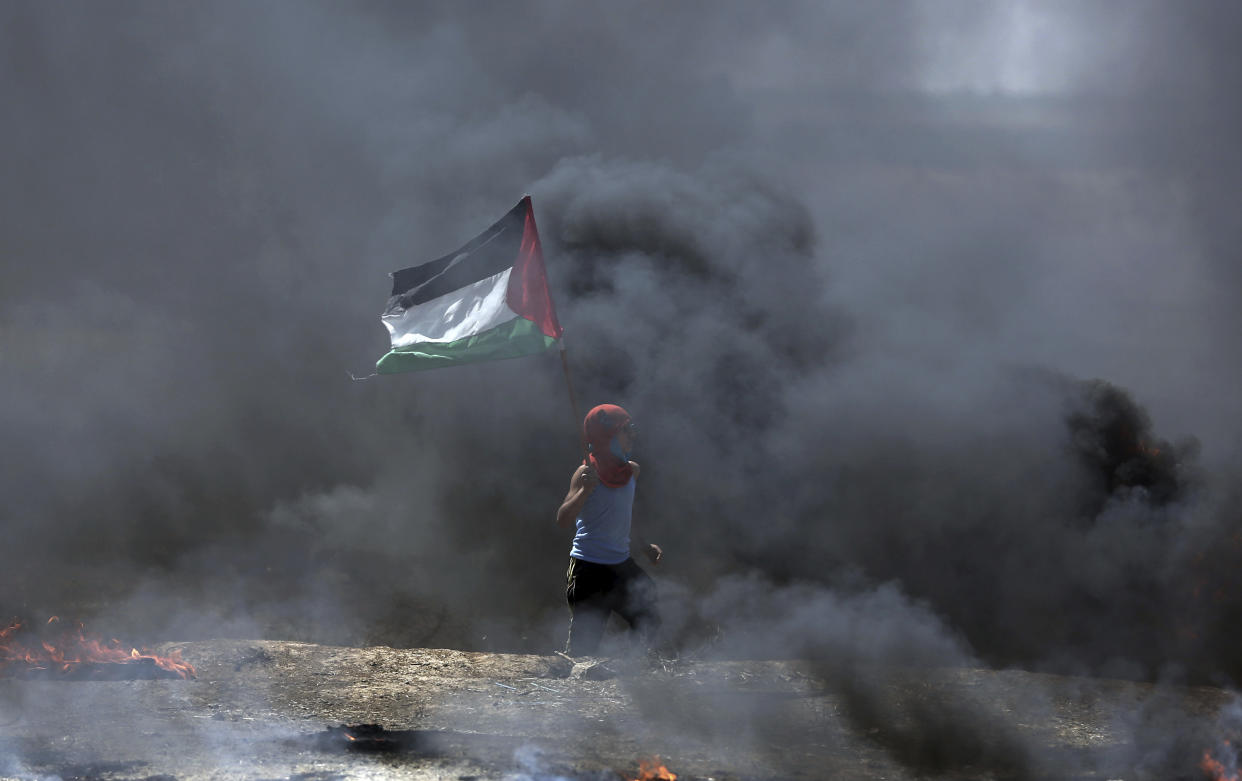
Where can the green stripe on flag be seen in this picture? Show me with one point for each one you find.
(511, 339)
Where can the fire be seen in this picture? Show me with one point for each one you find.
(652, 769)
(74, 649)
(1217, 770)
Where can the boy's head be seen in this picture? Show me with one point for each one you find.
(606, 422)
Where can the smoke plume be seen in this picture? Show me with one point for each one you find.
(923, 310)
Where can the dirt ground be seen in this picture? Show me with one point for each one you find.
(266, 710)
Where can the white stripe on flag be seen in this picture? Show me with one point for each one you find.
(456, 315)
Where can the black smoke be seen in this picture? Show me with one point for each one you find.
(854, 268)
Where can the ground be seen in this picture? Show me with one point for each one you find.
(267, 709)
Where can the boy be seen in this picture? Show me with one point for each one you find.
(602, 577)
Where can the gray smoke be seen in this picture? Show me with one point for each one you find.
(854, 268)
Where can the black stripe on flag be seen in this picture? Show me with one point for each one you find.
(486, 255)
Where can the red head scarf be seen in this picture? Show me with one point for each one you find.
(600, 426)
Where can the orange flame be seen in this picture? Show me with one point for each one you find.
(74, 648)
(652, 769)
(1215, 769)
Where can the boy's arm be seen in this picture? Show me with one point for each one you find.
(580, 487)
(652, 551)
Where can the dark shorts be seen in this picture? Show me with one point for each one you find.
(596, 590)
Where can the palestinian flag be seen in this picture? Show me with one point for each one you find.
(486, 301)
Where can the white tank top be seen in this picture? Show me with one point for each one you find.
(603, 535)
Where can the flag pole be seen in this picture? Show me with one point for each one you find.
(573, 403)
(569, 383)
